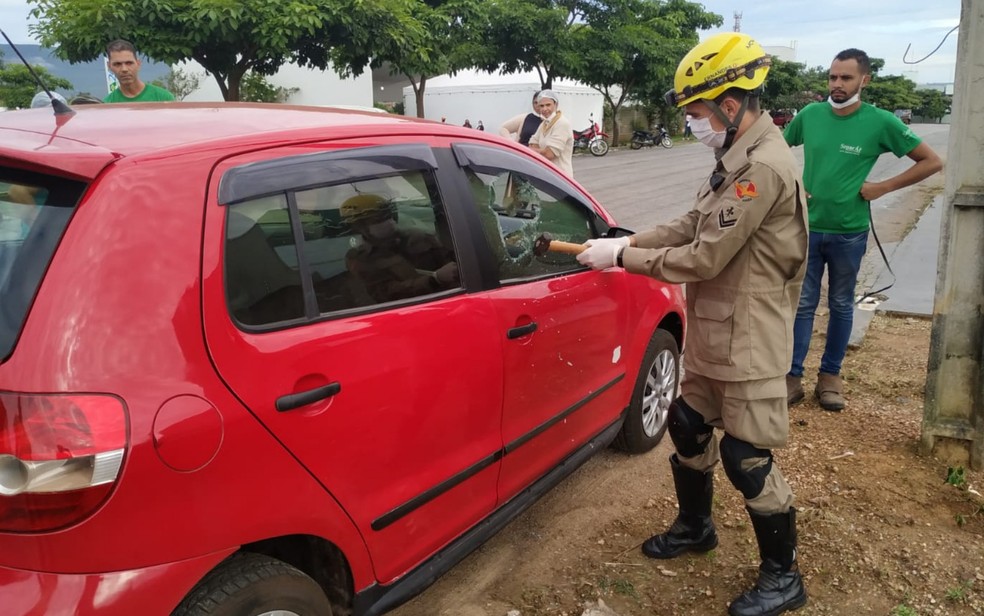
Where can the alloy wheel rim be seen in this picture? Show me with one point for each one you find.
(659, 392)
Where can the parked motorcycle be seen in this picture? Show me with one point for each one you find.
(591, 139)
(642, 138)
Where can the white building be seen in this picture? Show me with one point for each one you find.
(314, 87)
(493, 99)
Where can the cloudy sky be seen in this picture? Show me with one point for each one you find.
(818, 29)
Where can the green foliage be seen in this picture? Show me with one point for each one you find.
(903, 610)
(891, 92)
(631, 48)
(256, 89)
(933, 104)
(959, 593)
(955, 476)
(179, 83)
(227, 37)
(442, 36)
(18, 87)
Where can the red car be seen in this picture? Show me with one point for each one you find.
(259, 358)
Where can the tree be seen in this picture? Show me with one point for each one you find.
(891, 92)
(227, 38)
(255, 88)
(532, 35)
(179, 83)
(447, 38)
(933, 104)
(18, 86)
(631, 48)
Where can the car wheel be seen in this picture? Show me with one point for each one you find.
(256, 585)
(656, 387)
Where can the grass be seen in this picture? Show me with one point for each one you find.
(903, 610)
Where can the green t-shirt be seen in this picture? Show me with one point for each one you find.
(839, 152)
(150, 94)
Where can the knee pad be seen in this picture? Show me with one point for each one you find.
(687, 429)
(734, 453)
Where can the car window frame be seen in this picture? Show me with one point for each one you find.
(288, 174)
(490, 159)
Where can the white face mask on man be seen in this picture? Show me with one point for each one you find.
(701, 128)
(847, 103)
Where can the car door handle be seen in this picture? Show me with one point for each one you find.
(303, 398)
(518, 332)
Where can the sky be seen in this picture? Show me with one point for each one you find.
(818, 29)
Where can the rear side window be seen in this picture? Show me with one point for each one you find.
(328, 250)
(34, 212)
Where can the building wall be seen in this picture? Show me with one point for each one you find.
(315, 87)
(494, 104)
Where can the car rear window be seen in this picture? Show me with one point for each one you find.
(34, 211)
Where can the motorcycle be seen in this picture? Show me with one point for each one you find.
(591, 139)
(649, 139)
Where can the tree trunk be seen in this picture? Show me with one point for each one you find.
(418, 93)
(615, 109)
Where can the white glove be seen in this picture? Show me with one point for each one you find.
(601, 254)
(611, 241)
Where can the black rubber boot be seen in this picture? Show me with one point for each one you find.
(693, 529)
(779, 587)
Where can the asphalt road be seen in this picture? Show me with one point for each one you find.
(643, 188)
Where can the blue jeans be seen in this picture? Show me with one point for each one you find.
(841, 254)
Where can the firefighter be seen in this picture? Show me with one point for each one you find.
(741, 251)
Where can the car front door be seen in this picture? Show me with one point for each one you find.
(362, 361)
(563, 325)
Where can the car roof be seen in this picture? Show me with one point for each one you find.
(83, 143)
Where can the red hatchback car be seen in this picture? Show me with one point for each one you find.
(287, 360)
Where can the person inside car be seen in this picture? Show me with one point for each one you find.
(394, 263)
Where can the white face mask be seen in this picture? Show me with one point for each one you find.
(847, 103)
(701, 128)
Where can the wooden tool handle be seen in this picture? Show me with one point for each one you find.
(566, 247)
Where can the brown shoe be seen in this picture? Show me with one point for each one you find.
(830, 391)
(794, 389)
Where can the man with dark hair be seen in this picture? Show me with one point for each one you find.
(741, 251)
(842, 139)
(125, 66)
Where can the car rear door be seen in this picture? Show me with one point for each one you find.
(563, 325)
(393, 405)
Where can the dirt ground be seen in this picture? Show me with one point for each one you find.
(881, 529)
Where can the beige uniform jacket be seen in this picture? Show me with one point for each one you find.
(742, 254)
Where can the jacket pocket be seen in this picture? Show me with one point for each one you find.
(714, 325)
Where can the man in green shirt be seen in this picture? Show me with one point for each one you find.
(842, 139)
(125, 65)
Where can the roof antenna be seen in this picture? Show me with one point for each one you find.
(60, 107)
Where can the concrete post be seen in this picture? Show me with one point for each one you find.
(953, 417)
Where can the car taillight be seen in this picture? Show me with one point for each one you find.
(60, 455)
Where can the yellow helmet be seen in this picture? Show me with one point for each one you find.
(726, 60)
(367, 208)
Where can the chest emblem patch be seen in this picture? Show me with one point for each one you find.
(745, 190)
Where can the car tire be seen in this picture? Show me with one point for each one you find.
(255, 584)
(655, 388)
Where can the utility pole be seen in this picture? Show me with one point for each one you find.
(953, 416)
(737, 21)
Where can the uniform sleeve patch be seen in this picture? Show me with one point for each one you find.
(745, 190)
(728, 217)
